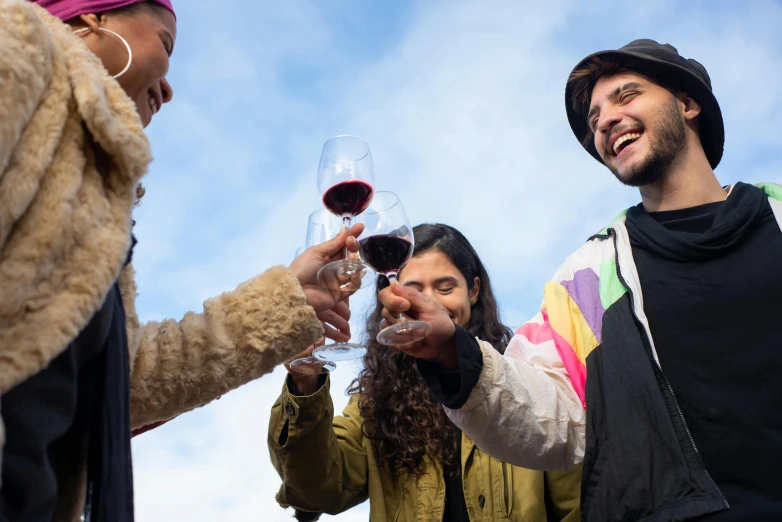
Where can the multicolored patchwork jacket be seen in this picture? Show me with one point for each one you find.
(534, 406)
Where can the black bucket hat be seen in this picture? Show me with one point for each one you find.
(663, 62)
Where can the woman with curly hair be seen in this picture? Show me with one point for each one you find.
(393, 443)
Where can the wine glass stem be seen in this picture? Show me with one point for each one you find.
(346, 223)
(402, 317)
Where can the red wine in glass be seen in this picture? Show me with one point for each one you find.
(387, 246)
(348, 198)
(386, 254)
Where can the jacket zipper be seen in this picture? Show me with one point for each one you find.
(649, 352)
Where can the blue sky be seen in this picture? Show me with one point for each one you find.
(461, 103)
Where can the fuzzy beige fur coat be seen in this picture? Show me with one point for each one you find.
(72, 151)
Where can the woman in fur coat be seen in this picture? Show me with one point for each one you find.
(79, 80)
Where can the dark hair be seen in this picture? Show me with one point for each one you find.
(584, 78)
(404, 421)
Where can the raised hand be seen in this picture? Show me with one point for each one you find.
(324, 296)
(336, 325)
(439, 345)
(306, 383)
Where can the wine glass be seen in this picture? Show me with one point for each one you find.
(386, 246)
(345, 177)
(311, 365)
(324, 226)
(321, 227)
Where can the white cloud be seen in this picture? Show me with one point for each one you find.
(464, 113)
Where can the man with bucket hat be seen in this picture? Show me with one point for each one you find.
(654, 357)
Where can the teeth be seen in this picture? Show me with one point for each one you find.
(624, 138)
(153, 105)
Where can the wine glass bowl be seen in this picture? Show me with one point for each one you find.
(386, 253)
(346, 159)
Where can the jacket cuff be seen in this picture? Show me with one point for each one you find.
(453, 389)
(268, 311)
(302, 412)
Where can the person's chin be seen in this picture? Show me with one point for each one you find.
(145, 115)
(628, 171)
(626, 175)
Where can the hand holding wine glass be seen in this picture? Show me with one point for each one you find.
(304, 367)
(438, 345)
(324, 295)
(339, 315)
(321, 226)
(387, 246)
(335, 320)
(305, 370)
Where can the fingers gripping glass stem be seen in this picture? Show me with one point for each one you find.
(347, 274)
(406, 331)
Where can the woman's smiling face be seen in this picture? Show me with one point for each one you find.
(434, 274)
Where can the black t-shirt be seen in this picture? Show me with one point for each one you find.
(455, 509)
(711, 282)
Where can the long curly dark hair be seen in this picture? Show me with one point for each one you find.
(402, 418)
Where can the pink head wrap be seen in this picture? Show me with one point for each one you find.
(67, 9)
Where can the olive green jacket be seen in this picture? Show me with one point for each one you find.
(328, 465)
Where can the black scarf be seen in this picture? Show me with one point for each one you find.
(736, 216)
(110, 470)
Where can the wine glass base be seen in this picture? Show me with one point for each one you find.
(312, 366)
(403, 333)
(339, 352)
(346, 275)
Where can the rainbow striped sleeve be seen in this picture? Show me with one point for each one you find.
(571, 317)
